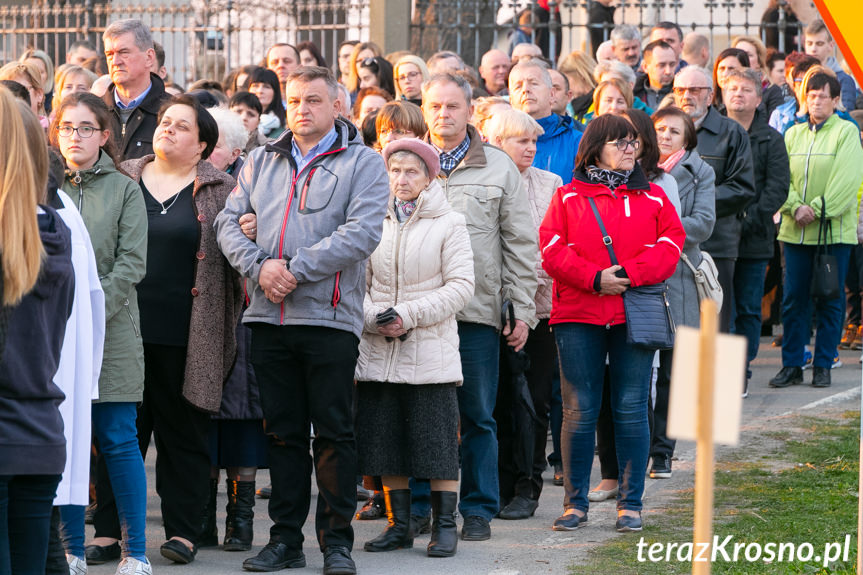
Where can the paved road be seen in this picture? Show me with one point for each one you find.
(519, 547)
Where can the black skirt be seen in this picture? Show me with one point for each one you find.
(408, 430)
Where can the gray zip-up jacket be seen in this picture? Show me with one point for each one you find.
(326, 220)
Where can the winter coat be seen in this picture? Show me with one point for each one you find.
(134, 138)
(217, 296)
(540, 186)
(724, 144)
(487, 189)
(695, 185)
(326, 220)
(772, 178)
(669, 185)
(557, 146)
(646, 233)
(826, 170)
(30, 424)
(423, 269)
(114, 212)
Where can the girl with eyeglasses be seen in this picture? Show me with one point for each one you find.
(114, 213)
(409, 74)
(376, 73)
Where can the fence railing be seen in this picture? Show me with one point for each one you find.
(201, 38)
(470, 27)
(204, 38)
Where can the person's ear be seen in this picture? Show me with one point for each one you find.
(103, 137)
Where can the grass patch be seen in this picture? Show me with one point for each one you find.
(813, 501)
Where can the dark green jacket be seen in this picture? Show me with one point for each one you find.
(114, 212)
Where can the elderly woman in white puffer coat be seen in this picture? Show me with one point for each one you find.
(417, 279)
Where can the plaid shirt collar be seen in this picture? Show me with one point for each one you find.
(449, 160)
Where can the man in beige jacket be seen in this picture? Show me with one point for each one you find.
(482, 183)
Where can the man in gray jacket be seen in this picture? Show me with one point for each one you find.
(483, 184)
(320, 197)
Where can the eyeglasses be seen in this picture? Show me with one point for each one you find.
(370, 63)
(694, 89)
(622, 145)
(395, 131)
(408, 76)
(83, 131)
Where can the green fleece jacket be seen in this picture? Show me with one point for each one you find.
(826, 170)
(114, 212)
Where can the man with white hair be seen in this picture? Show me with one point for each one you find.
(494, 69)
(526, 51)
(627, 45)
(724, 144)
(530, 90)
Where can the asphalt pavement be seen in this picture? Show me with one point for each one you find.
(518, 547)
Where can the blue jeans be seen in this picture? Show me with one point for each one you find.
(582, 349)
(26, 502)
(797, 307)
(116, 434)
(748, 291)
(480, 349)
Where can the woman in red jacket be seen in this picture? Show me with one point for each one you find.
(587, 313)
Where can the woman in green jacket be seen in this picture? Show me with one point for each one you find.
(826, 163)
(113, 210)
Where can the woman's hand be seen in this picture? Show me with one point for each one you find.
(249, 225)
(393, 329)
(610, 284)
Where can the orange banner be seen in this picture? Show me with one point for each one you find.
(842, 18)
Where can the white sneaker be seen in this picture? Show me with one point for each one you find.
(132, 566)
(77, 566)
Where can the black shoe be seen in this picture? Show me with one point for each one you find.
(240, 515)
(558, 474)
(444, 539)
(265, 492)
(397, 534)
(569, 522)
(787, 376)
(337, 561)
(275, 556)
(177, 551)
(475, 528)
(661, 468)
(820, 377)
(209, 536)
(373, 509)
(420, 524)
(627, 523)
(96, 554)
(519, 508)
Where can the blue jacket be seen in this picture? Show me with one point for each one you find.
(30, 424)
(557, 147)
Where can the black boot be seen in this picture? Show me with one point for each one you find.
(209, 532)
(398, 531)
(444, 535)
(241, 514)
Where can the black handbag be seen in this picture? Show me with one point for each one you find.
(648, 316)
(825, 272)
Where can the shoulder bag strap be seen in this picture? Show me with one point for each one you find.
(822, 229)
(606, 239)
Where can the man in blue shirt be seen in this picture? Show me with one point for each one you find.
(530, 90)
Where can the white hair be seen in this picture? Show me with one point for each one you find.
(615, 67)
(230, 127)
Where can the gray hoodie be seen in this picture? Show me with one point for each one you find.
(326, 220)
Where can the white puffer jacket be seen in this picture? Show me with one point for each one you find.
(423, 269)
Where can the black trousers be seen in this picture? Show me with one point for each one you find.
(854, 285)
(181, 434)
(725, 267)
(605, 446)
(306, 375)
(542, 350)
(660, 444)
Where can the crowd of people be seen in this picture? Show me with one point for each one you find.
(373, 257)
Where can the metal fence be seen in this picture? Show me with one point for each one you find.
(470, 27)
(202, 38)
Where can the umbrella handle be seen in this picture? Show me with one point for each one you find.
(507, 314)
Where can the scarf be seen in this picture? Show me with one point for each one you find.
(672, 160)
(609, 178)
(404, 209)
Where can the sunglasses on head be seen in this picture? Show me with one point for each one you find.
(370, 63)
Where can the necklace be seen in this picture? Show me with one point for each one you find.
(164, 209)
